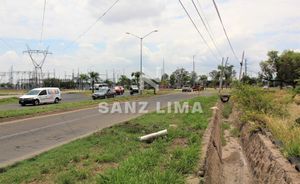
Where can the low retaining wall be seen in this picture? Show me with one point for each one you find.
(266, 161)
(210, 169)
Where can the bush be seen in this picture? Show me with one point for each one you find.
(257, 100)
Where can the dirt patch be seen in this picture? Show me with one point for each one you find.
(235, 167)
(105, 166)
(180, 142)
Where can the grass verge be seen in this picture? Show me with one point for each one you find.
(114, 155)
(275, 111)
(11, 100)
(66, 106)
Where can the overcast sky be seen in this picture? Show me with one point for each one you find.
(255, 26)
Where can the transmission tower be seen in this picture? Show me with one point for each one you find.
(38, 65)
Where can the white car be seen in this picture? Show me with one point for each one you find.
(41, 96)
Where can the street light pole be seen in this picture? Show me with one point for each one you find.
(141, 69)
(141, 56)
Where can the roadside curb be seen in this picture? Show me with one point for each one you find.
(210, 167)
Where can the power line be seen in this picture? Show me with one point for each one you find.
(207, 23)
(92, 25)
(43, 21)
(206, 28)
(197, 29)
(6, 44)
(229, 42)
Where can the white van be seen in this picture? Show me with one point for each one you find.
(41, 96)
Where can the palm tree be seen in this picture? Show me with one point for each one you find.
(136, 77)
(94, 76)
(83, 79)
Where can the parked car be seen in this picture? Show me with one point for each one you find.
(119, 90)
(187, 89)
(104, 93)
(134, 89)
(41, 96)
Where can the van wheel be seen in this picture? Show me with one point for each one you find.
(56, 100)
(36, 102)
(23, 104)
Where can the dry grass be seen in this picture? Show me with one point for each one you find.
(286, 130)
(297, 99)
(275, 110)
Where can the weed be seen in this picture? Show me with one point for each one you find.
(227, 110)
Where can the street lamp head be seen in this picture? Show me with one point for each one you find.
(155, 30)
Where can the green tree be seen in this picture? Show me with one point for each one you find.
(136, 77)
(94, 77)
(124, 81)
(270, 66)
(203, 80)
(172, 80)
(165, 80)
(228, 73)
(288, 69)
(215, 77)
(193, 78)
(180, 77)
(284, 68)
(84, 78)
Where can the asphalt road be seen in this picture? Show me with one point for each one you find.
(26, 138)
(65, 98)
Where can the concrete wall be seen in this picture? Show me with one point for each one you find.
(267, 163)
(210, 170)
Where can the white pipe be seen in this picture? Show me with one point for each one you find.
(154, 135)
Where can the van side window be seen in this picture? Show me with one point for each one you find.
(44, 92)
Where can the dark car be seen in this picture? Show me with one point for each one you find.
(104, 93)
(187, 89)
(198, 88)
(119, 90)
(134, 89)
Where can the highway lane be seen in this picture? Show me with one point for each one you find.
(25, 138)
(76, 97)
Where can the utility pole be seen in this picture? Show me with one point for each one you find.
(114, 76)
(222, 73)
(193, 74)
(163, 68)
(246, 67)
(11, 75)
(194, 63)
(241, 65)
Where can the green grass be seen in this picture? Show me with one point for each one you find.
(225, 126)
(235, 132)
(8, 100)
(114, 155)
(61, 107)
(227, 110)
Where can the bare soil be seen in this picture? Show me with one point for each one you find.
(235, 167)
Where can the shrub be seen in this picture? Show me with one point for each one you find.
(257, 100)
